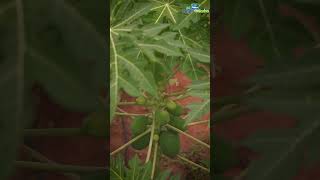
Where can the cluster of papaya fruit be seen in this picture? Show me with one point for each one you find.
(168, 112)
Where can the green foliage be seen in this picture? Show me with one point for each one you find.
(56, 58)
(148, 40)
(270, 34)
(135, 171)
(293, 90)
(290, 85)
(199, 89)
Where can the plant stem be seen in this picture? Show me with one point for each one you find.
(130, 142)
(59, 167)
(130, 114)
(236, 99)
(228, 114)
(193, 163)
(198, 122)
(53, 132)
(269, 28)
(181, 97)
(178, 93)
(151, 138)
(20, 61)
(127, 103)
(154, 160)
(38, 156)
(188, 135)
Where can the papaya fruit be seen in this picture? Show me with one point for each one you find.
(169, 143)
(139, 125)
(162, 117)
(171, 106)
(142, 142)
(156, 137)
(95, 124)
(177, 111)
(178, 123)
(141, 100)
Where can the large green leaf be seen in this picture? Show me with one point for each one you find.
(71, 71)
(136, 170)
(284, 154)
(283, 151)
(270, 34)
(199, 89)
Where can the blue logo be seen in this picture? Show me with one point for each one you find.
(194, 7)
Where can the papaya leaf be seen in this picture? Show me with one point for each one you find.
(135, 171)
(283, 151)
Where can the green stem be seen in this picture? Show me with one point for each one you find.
(151, 138)
(130, 114)
(188, 135)
(180, 97)
(193, 163)
(154, 160)
(236, 99)
(198, 122)
(178, 93)
(228, 114)
(127, 103)
(130, 142)
(59, 167)
(53, 132)
(38, 156)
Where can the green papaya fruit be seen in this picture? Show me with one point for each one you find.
(141, 100)
(177, 111)
(156, 137)
(139, 125)
(178, 123)
(171, 106)
(224, 155)
(95, 124)
(169, 143)
(162, 117)
(142, 142)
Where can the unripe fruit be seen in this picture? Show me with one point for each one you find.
(140, 100)
(142, 142)
(178, 123)
(162, 117)
(139, 125)
(95, 124)
(171, 106)
(156, 137)
(177, 111)
(169, 143)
